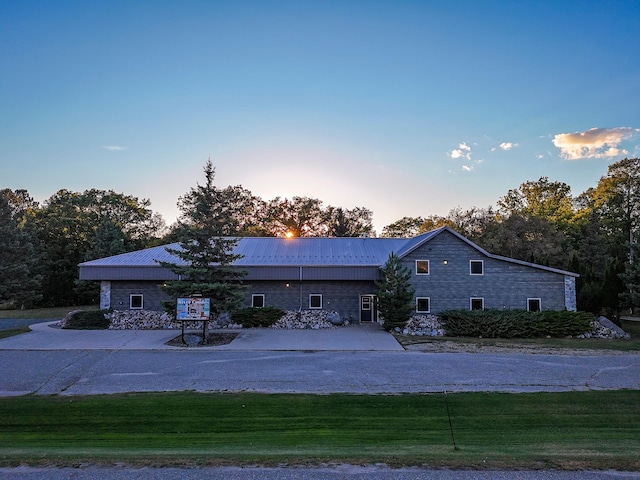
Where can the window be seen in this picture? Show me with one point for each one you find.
(422, 267)
(477, 303)
(257, 300)
(365, 303)
(533, 304)
(476, 267)
(136, 302)
(423, 305)
(315, 300)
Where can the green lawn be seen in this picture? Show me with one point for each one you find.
(42, 313)
(14, 331)
(596, 430)
(35, 314)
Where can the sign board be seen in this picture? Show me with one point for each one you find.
(193, 309)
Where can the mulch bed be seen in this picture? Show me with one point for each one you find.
(213, 339)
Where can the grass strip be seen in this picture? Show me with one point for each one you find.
(13, 331)
(598, 429)
(42, 313)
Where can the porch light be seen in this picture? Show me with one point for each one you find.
(445, 262)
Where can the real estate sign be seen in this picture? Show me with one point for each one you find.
(193, 309)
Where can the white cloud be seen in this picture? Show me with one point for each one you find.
(114, 148)
(463, 151)
(594, 143)
(508, 145)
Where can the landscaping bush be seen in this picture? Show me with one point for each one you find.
(257, 316)
(514, 323)
(87, 320)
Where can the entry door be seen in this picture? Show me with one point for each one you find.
(367, 308)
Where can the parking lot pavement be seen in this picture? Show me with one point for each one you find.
(358, 359)
(91, 372)
(368, 337)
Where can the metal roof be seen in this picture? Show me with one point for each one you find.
(356, 251)
(303, 252)
(271, 251)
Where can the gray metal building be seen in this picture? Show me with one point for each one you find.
(338, 274)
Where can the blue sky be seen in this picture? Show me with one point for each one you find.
(406, 108)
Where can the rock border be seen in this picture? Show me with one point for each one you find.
(291, 320)
(427, 325)
(430, 326)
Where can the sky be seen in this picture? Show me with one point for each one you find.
(407, 108)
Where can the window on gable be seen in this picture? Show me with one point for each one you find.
(136, 301)
(423, 305)
(534, 304)
(477, 303)
(257, 300)
(315, 300)
(422, 267)
(476, 267)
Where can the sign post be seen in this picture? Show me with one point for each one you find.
(194, 309)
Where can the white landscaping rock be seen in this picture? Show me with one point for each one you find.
(307, 319)
(150, 320)
(604, 328)
(424, 325)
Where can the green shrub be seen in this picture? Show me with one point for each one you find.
(257, 316)
(8, 305)
(87, 320)
(514, 323)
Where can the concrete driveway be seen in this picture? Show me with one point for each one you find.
(365, 337)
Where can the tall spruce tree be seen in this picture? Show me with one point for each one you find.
(206, 253)
(395, 293)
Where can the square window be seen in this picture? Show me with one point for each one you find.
(476, 267)
(477, 303)
(423, 305)
(315, 300)
(534, 304)
(422, 267)
(257, 300)
(136, 302)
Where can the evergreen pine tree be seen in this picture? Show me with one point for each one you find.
(206, 254)
(395, 294)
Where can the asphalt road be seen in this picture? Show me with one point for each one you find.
(342, 472)
(90, 372)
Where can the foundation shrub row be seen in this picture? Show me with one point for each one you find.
(515, 323)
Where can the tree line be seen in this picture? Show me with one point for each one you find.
(594, 233)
